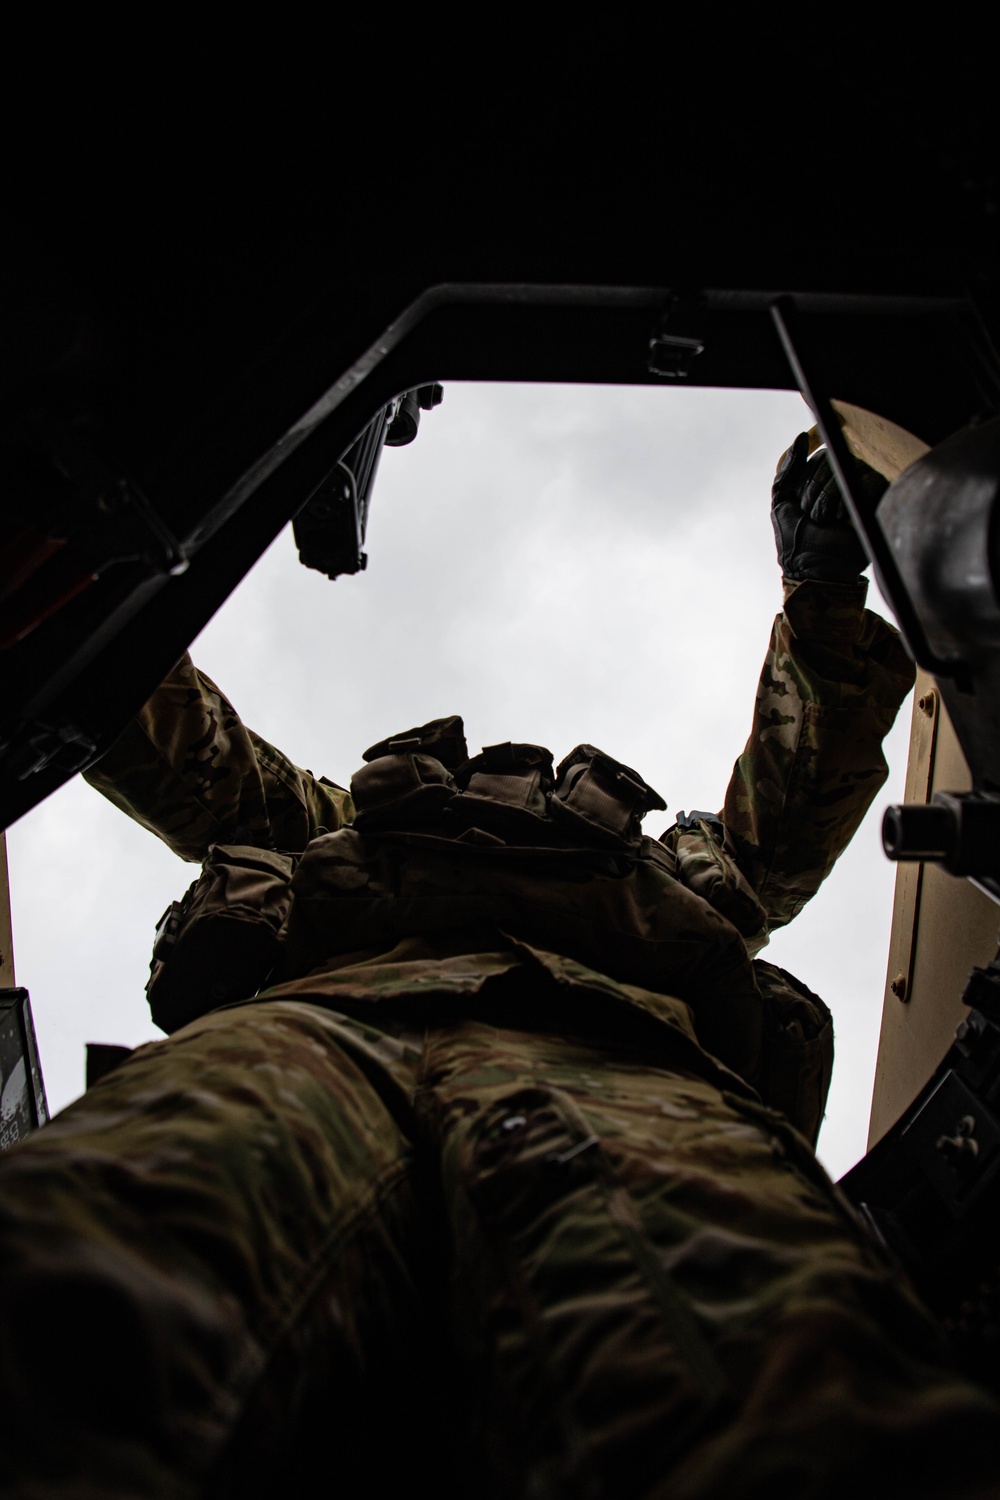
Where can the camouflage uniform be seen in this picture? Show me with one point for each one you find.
(459, 1203)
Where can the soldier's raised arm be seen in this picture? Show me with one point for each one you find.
(190, 770)
(833, 680)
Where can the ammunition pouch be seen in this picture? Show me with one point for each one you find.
(509, 791)
(797, 1050)
(797, 1042)
(221, 941)
(703, 866)
(400, 790)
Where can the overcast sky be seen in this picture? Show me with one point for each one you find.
(556, 564)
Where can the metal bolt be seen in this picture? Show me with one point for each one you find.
(898, 986)
(962, 1143)
(927, 704)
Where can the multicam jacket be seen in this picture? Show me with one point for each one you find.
(403, 906)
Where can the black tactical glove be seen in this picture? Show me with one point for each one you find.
(813, 532)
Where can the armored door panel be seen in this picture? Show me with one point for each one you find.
(941, 929)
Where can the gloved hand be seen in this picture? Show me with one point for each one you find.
(813, 532)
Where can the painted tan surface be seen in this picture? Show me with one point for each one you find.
(941, 928)
(877, 441)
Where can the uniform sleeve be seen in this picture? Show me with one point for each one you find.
(833, 681)
(188, 769)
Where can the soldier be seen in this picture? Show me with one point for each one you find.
(504, 1175)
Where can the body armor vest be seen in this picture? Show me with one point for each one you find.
(504, 843)
(495, 848)
(501, 846)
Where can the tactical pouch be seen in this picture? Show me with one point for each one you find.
(444, 739)
(705, 868)
(406, 780)
(221, 941)
(797, 1051)
(400, 790)
(505, 791)
(601, 797)
(424, 779)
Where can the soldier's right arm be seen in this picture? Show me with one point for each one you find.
(189, 769)
(833, 681)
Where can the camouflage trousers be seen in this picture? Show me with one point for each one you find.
(293, 1250)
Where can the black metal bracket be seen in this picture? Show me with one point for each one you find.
(330, 528)
(22, 1091)
(929, 1190)
(229, 483)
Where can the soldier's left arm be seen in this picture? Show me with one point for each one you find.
(833, 680)
(188, 769)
